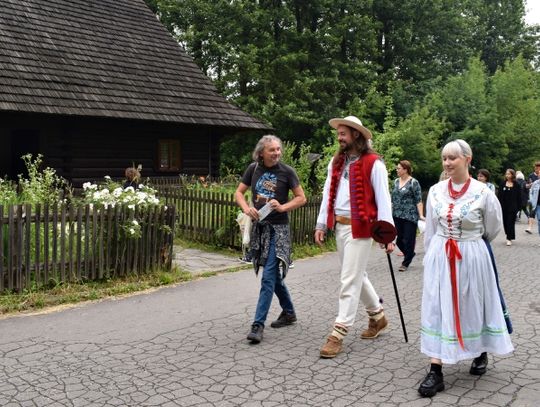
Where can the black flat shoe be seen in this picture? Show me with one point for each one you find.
(479, 365)
(432, 384)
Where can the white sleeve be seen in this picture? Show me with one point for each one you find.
(323, 211)
(379, 181)
(492, 217)
(431, 221)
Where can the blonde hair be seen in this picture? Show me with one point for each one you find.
(457, 147)
(443, 176)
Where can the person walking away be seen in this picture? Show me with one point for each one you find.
(533, 176)
(407, 208)
(355, 195)
(524, 193)
(463, 312)
(484, 176)
(270, 181)
(510, 198)
(534, 200)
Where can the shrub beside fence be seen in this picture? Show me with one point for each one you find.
(66, 244)
(210, 217)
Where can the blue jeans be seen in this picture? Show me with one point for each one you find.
(271, 282)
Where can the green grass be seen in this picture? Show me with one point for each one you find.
(299, 251)
(71, 293)
(56, 294)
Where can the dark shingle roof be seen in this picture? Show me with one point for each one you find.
(107, 58)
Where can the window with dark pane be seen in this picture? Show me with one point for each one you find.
(169, 155)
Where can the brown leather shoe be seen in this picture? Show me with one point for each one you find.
(332, 347)
(374, 328)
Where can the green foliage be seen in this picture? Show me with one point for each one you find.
(515, 91)
(228, 224)
(235, 153)
(421, 133)
(417, 73)
(298, 158)
(321, 166)
(8, 192)
(56, 294)
(43, 186)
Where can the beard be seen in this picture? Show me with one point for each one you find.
(344, 147)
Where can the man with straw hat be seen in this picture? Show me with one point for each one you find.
(355, 195)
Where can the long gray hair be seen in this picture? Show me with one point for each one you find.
(268, 138)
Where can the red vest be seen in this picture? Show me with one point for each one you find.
(362, 195)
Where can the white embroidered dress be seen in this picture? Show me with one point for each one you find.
(467, 220)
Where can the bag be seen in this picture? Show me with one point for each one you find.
(244, 221)
(421, 225)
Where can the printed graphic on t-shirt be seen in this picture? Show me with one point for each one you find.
(266, 186)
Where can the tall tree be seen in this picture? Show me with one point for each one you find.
(296, 63)
(500, 32)
(516, 93)
(471, 115)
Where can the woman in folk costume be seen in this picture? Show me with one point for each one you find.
(463, 311)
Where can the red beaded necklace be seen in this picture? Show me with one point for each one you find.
(458, 194)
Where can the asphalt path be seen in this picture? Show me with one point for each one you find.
(185, 345)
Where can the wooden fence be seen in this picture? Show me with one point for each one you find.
(65, 244)
(190, 180)
(210, 217)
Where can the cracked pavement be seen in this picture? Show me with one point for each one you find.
(185, 345)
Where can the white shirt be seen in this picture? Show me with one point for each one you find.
(342, 206)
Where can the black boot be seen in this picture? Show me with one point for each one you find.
(479, 365)
(256, 333)
(284, 319)
(432, 383)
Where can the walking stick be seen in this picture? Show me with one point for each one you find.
(384, 232)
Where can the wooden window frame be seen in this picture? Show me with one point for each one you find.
(168, 155)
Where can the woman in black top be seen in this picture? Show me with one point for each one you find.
(510, 198)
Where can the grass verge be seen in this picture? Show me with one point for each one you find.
(71, 293)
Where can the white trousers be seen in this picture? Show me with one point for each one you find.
(355, 284)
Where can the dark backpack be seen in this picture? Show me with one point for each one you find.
(523, 192)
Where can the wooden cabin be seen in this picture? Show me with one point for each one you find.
(98, 85)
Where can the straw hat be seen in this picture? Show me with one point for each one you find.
(351, 121)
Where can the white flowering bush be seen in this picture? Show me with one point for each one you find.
(132, 229)
(111, 194)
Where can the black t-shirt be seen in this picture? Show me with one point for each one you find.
(271, 183)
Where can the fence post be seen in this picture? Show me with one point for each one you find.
(46, 243)
(27, 223)
(79, 243)
(63, 242)
(37, 254)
